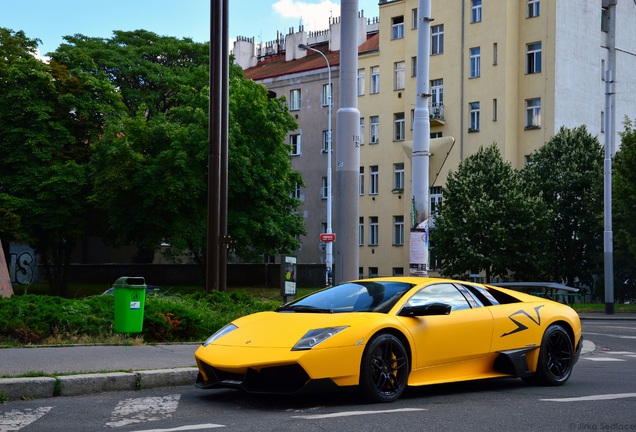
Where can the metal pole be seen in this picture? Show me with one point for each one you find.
(418, 261)
(217, 147)
(348, 149)
(329, 245)
(608, 242)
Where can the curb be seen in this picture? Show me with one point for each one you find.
(75, 385)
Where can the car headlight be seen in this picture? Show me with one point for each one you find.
(220, 333)
(316, 336)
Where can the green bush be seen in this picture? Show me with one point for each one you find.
(37, 319)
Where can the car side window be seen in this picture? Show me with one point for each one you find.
(439, 293)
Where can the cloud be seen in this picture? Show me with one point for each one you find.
(314, 16)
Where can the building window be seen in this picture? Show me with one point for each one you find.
(375, 80)
(361, 130)
(475, 16)
(296, 191)
(361, 82)
(398, 271)
(494, 54)
(437, 39)
(326, 95)
(294, 100)
(434, 135)
(325, 141)
(361, 181)
(373, 231)
(398, 78)
(398, 230)
(398, 177)
(437, 98)
(533, 58)
(475, 62)
(397, 24)
(435, 194)
(374, 180)
(494, 110)
(414, 66)
(533, 113)
(398, 127)
(474, 117)
(534, 8)
(323, 188)
(361, 232)
(294, 141)
(414, 23)
(374, 129)
(373, 272)
(602, 121)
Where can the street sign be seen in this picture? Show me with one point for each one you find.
(327, 237)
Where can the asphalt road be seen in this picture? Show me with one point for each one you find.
(601, 395)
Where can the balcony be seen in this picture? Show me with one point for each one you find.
(436, 111)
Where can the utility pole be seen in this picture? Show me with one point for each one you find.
(216, 256)
(348, 150)
(418, 257)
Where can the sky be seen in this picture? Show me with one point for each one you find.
(50, 20)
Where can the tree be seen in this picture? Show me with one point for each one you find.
(44, 127)
(624, 214)
(568, 173)
(487, 222)
(150, 168)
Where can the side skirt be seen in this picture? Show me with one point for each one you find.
(514, 362)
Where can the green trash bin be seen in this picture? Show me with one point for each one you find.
(130, 297)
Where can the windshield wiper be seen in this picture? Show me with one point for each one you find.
(303, 308)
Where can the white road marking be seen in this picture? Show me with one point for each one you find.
(186, 428)
(611, 335)
(139, 410)
(356, 413)
(618, 352)
(604, 359)
(15, 420)
(593, 398)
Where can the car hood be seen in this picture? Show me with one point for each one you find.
(284, 329)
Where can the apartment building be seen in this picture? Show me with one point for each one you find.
(505, 71)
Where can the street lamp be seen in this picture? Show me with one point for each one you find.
(329, 244)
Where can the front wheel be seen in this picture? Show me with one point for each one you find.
(384, 370)
(556, 358)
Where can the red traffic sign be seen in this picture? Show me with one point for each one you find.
(327, 237)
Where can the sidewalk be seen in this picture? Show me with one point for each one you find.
(93, 369)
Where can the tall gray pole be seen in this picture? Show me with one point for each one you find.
(608, 241)
(421, 145)
(348, 150)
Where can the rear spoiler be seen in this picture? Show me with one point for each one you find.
(552, 286)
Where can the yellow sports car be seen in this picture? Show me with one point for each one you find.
(383, 334)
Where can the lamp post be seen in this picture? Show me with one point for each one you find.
(329, 244)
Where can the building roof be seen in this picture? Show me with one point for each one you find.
(276, 65)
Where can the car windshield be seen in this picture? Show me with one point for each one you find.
(351, 297)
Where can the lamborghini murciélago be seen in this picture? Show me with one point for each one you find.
(384, 334)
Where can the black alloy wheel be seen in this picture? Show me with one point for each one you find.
(385, 369)
(556, 357)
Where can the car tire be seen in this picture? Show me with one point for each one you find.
(384, 369)
(556, 358)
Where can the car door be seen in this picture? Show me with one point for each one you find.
(464, 334)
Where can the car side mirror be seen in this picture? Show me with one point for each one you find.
(427, 309)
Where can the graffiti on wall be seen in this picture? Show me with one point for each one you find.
(22, 265)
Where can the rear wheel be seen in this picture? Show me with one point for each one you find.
(556, 358)
(384, 369)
